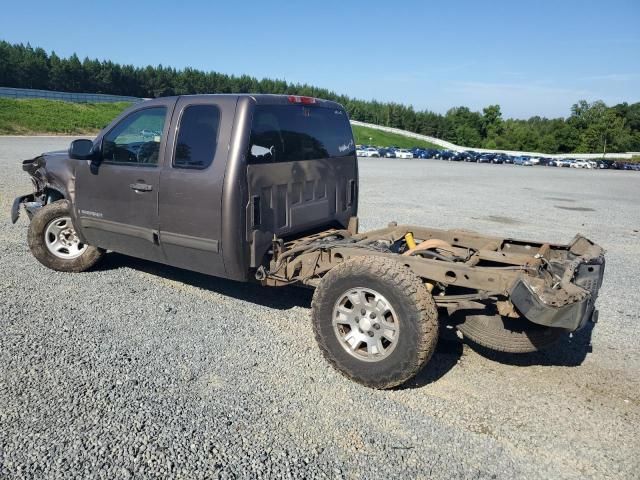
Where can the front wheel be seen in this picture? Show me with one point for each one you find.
(375, 321)
(53, 240)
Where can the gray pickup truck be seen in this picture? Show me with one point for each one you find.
(264, 188)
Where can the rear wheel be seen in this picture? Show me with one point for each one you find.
(512, 335)
(375, 321)
(53, 240)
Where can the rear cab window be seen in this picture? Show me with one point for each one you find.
(197, 137)
(287, 133)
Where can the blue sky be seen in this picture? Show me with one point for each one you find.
(532, 58)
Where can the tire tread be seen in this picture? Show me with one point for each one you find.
(411, 286)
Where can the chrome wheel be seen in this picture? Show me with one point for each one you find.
(61, 239)
(366, 324)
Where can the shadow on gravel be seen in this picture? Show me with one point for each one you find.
(282, 298)
(567, 352)
(447, 354)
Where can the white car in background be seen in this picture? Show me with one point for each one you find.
(403, 153)
(361, 151)
(371, 152)
(534, 160)
(581, 164)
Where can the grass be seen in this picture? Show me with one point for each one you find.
(371, 136)
(32, 116)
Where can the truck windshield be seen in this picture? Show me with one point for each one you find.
(287, 133)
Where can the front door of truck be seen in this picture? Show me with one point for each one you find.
(191, 182)
(117, 194)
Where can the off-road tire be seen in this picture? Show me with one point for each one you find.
(511, 335)
(416, 311)
(36, 241)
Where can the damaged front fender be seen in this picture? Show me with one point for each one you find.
(31, 205)
(15, 208)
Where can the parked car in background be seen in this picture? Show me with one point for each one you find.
(470, 156)
(445, 155)
(371, 152)
(390, 153)
(603, 164)
(403, 153)
(566, 162)
(361, 150)
(522, 160)
(580, 164)
(458, 156)
(429, 153)
(486, 158)
(416, 151)
(631, 166)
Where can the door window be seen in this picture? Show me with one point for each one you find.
(197, 137)
(136, 139)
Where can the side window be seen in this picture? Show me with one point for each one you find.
(136, 139)
(197, 137)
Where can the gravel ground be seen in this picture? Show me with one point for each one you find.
(136, 369)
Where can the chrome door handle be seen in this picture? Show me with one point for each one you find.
(141, 187)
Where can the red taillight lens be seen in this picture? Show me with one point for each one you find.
(299, 99)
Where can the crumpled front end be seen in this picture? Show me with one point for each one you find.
(31, 201)
(568, 300)
(52, 178)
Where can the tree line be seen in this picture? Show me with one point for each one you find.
(590, 127)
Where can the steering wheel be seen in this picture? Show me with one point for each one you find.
(146, 151)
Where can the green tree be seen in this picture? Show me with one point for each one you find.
(492, 125)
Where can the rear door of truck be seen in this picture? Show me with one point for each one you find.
(191, 181)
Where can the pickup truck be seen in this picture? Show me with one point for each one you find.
(264, 188)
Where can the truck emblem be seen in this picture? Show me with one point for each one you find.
(258, 151)
(344, 148)
(89, 213)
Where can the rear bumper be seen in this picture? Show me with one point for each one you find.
(570, 303)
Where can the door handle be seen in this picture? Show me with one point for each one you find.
(141, 187)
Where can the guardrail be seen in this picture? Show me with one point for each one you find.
(458, 148)
(8, 92)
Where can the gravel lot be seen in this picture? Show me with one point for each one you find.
(136, 369)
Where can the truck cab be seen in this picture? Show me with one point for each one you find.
(204, 182)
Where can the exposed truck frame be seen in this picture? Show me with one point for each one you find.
(248, 217)
(552, 285)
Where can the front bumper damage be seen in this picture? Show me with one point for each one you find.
(32, 201)
(31, 205)
(569, 302)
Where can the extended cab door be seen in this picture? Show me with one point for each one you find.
(117, 194)
(191, 183)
